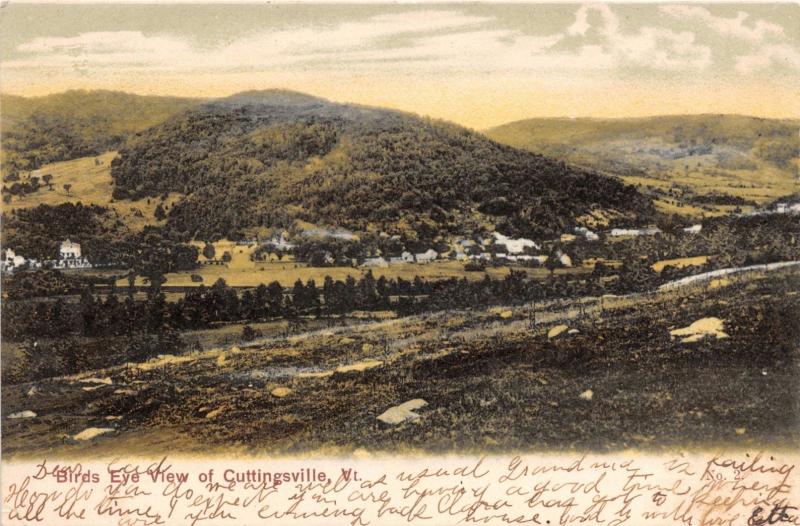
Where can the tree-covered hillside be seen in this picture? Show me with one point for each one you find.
(265, 159)
(41, 130)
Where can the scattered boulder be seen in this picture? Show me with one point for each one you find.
(33, 391)
(403, 412)
(23, 414)
(586, 395)
(702, 328)
(91, 432)
(280, 392)
(555, 331)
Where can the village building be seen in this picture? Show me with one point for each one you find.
(69, 250)
(587, 234)
(694, 229)
(376, 262)
(514, 246)
(427, 256)
(282, 241)
(12, 260)
(633, 232)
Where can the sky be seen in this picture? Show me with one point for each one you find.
(479, 65)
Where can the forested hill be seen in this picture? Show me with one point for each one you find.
(265, 159)
(63, 126)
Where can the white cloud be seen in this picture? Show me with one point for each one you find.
(647, 47)
(767, 57)
(424, 41)
(733, 27)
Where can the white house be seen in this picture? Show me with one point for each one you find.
(69, 250)
(565, 259)
(619, 232)
(282, 241)
(694, 229)
(586, 233)
(514, 246)
(427, 256)
(376, 262)
(12, 261)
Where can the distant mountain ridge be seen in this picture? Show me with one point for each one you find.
(685, 160)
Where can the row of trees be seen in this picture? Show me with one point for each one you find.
(108, 315)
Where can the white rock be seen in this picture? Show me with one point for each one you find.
(91, 432)
(23, 414)
(403, 412)
(573, 331)
(33, 391)
(586, 395)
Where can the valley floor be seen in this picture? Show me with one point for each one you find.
(493, 381)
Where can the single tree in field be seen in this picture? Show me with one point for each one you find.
(159, 213)
(6, 198)
(48, 180)
(208, 251)
(67, 188)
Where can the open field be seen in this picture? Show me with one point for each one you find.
(286, 273)
(492, 380)
(91, 183)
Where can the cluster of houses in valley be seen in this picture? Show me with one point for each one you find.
(497, 247)
(501, 248)
(69, 257)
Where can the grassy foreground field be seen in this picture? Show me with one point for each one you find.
(492, 380)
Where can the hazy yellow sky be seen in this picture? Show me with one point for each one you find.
(475, 64)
